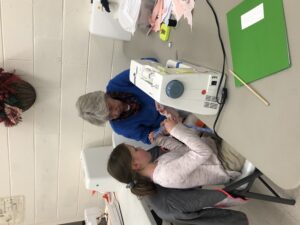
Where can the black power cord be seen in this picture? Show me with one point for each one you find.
(221, 101)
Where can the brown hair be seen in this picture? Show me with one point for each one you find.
(119, 167)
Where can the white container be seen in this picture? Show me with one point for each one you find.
(128, 14)
(94, 163)
(106, 24)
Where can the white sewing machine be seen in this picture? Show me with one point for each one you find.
(178, 85)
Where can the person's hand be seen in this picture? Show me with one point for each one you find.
(168, 112)
(151, 137)
(169, 124)
(174, 115)
(164, 131)
(160, 108)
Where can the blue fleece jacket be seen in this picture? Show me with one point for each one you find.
(147, 119)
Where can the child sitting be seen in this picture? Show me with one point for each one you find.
(191, 161)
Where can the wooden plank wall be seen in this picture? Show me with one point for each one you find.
(48, 44)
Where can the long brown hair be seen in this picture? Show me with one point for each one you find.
(119, 167)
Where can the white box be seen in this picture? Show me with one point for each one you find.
(94, 163)
(104, 24)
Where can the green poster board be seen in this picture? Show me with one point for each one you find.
(258, 39)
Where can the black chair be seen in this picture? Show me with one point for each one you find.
(233, 188)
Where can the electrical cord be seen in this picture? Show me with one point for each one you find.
(221, 101)
(224, 97)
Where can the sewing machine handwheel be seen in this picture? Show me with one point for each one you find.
(174, 89)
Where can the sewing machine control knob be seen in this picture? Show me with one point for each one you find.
(174, 89)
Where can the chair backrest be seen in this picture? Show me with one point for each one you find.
(248, 168)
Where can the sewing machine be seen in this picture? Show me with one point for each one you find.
(179, 85)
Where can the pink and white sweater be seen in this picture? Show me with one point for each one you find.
(192, 163)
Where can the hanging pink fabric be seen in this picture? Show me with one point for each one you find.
(156, 17)
(183, 8)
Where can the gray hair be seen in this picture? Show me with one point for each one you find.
(93, 108)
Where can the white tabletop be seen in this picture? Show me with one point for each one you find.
(267, 136)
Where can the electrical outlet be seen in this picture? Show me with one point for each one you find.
(12, 210)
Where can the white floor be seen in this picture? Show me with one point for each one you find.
(267, 213)
(260, 212)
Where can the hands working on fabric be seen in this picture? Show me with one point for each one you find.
(190, 120)
(168, 112)
(165, 127)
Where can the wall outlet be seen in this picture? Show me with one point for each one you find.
(12, 210)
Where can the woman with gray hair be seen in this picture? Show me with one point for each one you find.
(130, 111)
(91, 108)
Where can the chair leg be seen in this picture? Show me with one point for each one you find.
(157, 219)
(245, 193)
(246, 180)
(268, 198)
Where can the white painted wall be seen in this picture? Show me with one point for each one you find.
(48, 43)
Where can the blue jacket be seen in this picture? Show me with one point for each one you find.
(147, 119)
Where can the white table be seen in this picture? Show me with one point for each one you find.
(268, 136)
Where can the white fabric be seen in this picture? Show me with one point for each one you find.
(128, 14)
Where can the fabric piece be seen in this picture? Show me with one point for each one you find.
(147, 119)
(168, 112)
(190, 120)
(156, 18)
(193, 206)
(10, 105)
(183, 8)
(6, 82)
(231, 159)
(145, 13)
(192, 160)
(167, 11)
(128, 13)
(13, 115)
